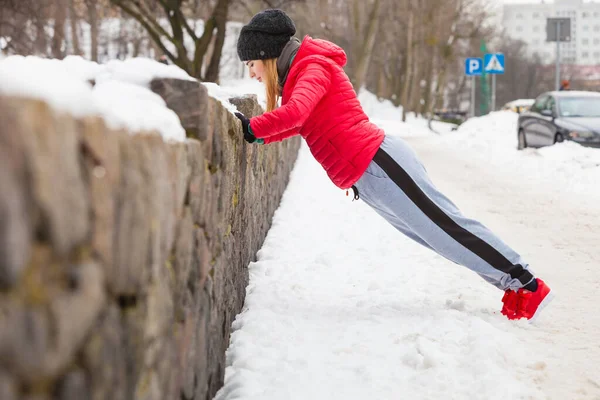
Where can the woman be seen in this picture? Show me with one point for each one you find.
(319, 103)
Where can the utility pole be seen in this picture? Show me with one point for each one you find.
(557, 56)
(558, 30)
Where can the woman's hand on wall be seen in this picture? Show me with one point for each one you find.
(248, 136)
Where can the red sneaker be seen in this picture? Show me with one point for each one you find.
(509, 307)
(529, 304)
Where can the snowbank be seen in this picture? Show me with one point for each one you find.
(494, 137)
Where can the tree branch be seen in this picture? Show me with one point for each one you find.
(144, 17)
(149, 28)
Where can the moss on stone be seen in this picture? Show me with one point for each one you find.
(235, 198)
(213, 169)
(170, 268)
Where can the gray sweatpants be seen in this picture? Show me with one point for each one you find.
(397, 187)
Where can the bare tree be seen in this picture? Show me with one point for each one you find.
(22, 25)
(251, 7)
(93, 20)
(172, 43)
(74, 22)
(58, 37)
(457, 28)
(409, 58)
(364, 39)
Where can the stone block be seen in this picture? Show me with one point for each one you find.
(189, 100)
(15, 200)
(103, 170)
(8, 389)
(104, 355)
(37, 342)
(247, 105)
(145, 214)
(59, 193)
(73, 386)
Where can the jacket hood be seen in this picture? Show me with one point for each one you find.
(311, 47)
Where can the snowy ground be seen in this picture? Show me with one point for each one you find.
(341, 306)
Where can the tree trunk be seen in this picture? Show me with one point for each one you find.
(60, 17)
(41, 40)
(220, 16)
(430, 76)
(366, 50)
(93, 20)
(414, 95)
(408, 77)
(74, 19)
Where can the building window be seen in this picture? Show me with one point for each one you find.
(519, 28)
(586, 28)
(584, 54)
(585, 41)
(536, 15)
(596, 41)
(596, 28)
(519, 16)
(536, 42)
(536, 28)
(597, 54)
(584, 14)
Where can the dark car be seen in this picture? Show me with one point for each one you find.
(559, 116)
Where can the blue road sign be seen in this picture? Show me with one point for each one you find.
(473, 66)
(494, 63)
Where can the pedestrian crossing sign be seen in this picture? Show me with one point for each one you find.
(494, 63)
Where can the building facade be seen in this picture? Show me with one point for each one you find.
(527, 22)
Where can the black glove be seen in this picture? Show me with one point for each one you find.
(248, 136)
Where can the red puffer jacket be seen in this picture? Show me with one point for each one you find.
(319, 103)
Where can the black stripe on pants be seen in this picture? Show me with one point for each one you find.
(471, 242)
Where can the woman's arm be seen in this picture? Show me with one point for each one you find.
(310, 88)
(278, 137)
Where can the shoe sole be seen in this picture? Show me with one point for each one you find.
(549, 297)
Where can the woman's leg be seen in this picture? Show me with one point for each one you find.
(396, 185)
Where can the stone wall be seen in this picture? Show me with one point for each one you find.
(123, 259)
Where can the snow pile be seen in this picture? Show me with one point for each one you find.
(377, 108)
(494, 138)
(491, 134)
(121, 94)
(223, 94)
(47, 80)
(245, 86)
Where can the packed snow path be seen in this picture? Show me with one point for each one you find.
(342, 306)
(558, 232)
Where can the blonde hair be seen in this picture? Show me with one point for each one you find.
(271, 83)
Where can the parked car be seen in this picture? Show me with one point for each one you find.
(559, 116)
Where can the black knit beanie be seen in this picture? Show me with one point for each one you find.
(265, 36)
